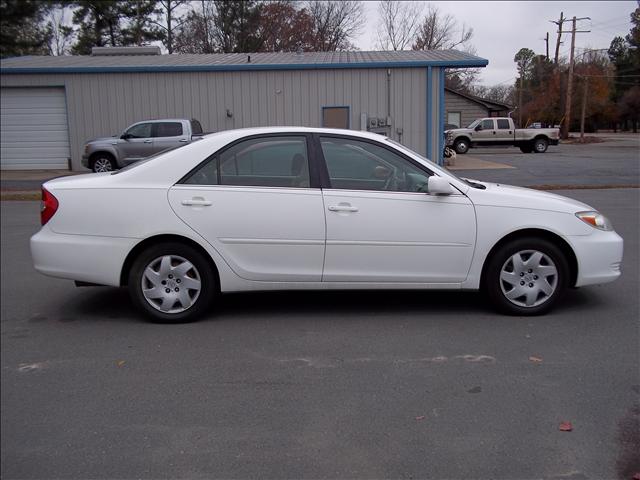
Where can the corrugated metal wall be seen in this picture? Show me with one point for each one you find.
(104, 104)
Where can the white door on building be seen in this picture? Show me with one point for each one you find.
(34, 129)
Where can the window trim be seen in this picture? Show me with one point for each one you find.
(314, 181)
(324, 171)
(325, 107)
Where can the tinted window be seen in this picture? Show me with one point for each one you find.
(503, 124)
(142, 130)
(168, 129)
(357, 165)
(263, 162)
(196, 128)
(487, 125)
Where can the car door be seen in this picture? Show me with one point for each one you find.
(136, 143)
(504, 131)
(383, 226)
(486, 135)
(168, 135)
(259, 205)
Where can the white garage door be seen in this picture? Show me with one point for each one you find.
(33, 128)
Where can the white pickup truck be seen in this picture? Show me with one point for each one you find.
(492, 131)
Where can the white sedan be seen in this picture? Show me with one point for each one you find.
(301, 208)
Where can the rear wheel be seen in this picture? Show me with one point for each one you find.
(526, 149)
(526, 276)
(540, 145)
(103, 162)
(171, 283)
(461, 146)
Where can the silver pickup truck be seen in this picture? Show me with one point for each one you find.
(139, 141)
(492, 131)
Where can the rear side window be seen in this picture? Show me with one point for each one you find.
(168, 129)
(503, 124)
(261, 162)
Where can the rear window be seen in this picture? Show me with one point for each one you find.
(196, 128)
(168, 129)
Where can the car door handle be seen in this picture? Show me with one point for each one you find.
(184, 140)
(494, 132)
(201, 202)
(342, 208)
(147, 141)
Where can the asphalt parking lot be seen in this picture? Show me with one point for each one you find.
(320, 384)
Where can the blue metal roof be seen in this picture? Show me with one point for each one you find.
(239, 62)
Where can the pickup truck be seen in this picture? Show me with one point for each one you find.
(138, 141)
(494, 131)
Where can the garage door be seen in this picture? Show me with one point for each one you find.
(34, 130)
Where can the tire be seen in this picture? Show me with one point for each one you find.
(461, 146)
(527, 149)
(103, 162)
(172, 283)
(540, 145)
(542, 277)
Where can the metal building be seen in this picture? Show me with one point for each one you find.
(52, 105)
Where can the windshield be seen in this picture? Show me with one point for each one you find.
(474, 123)
(138, 163)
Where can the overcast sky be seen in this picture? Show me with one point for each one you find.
(502, 28)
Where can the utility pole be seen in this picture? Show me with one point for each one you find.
(558, 42)
(546, 39)
(585, 92)
(567, 109)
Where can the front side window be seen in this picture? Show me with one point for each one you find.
(261, 162)
(487, 124)
(141, 130)
(357, 165)
(168, 129)
(503, 124)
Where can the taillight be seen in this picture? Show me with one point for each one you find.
(48, 206)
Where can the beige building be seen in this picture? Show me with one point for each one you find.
(52, 105)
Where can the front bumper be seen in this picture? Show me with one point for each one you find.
(599, 257)
(85, 161)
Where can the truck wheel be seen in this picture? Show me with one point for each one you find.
(461, 146)
(103, 162)
(540, 145)
(526, 149)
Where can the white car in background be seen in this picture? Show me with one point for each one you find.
(300, 208)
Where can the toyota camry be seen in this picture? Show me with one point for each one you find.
(301, 208)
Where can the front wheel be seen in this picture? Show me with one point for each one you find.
(171, 283)
(540, 145)
(461, 146)
(526, 276)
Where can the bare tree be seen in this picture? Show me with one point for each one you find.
(170, 21)
(60, 32)
(439, 31)
(398, 24)
(335, 23)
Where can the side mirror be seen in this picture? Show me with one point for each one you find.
(478, 127)
(439, 186)
(125, 136)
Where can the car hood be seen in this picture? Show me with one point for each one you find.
(499, 195)
(460, 130)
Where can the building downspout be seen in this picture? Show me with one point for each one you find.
(389, 126)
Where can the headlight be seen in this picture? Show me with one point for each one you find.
(596, 220)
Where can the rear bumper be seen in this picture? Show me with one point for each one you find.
(599, 257)
(554, 141)
(84, 258)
